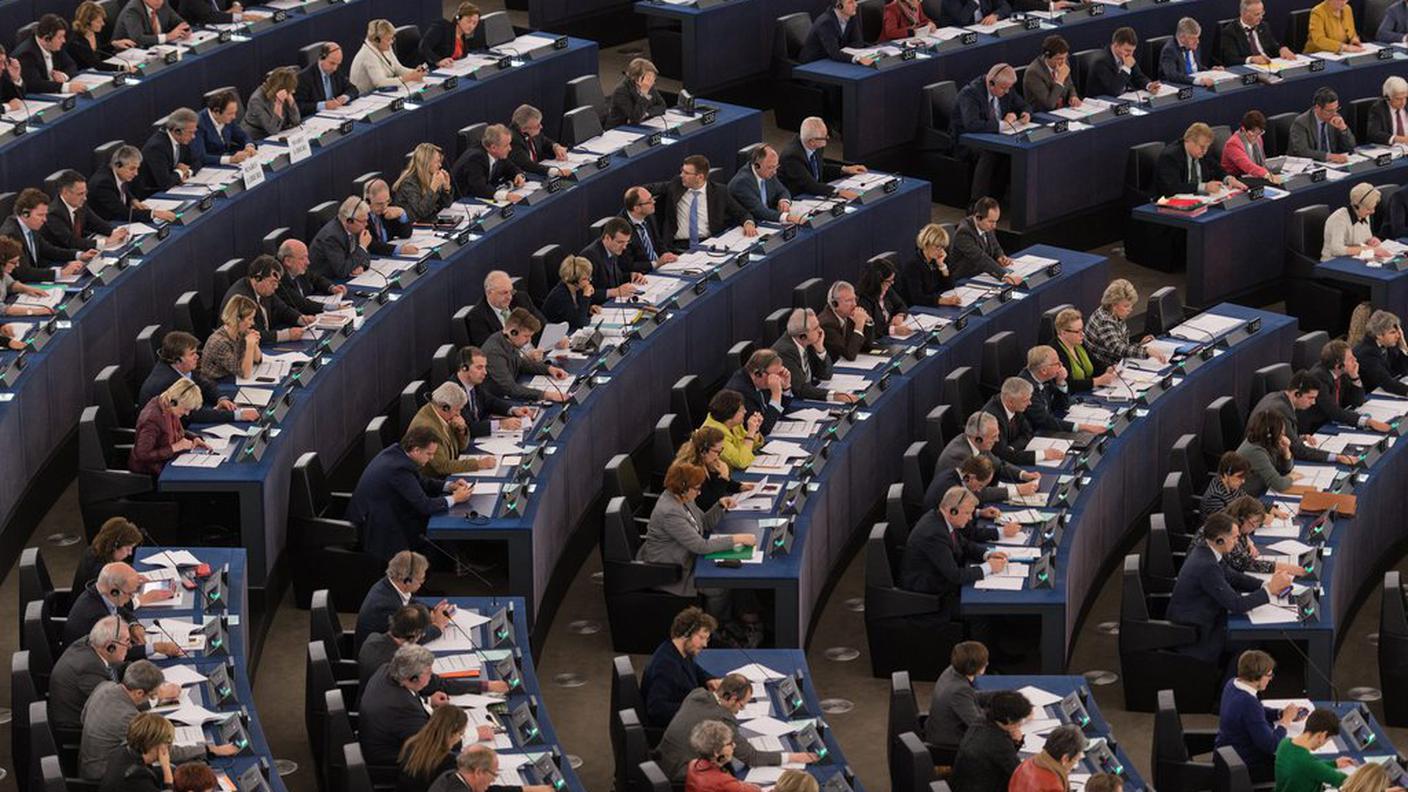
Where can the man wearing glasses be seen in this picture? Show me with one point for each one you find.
(804, 169)
(500, 298)
(275, 318)
(645, 251)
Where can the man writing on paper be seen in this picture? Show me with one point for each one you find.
(938, 560)
(974, 475)
(480, 404)
(393, 500)
(721, 704)
(980, 435)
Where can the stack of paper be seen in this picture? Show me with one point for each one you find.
(991, 30)
(1087, 413)
(863, 361)
(362, 106)
(1277, 64)
(793, 429)
(871, 53)
(1016, 127)
(1165, 89)
(735, 241)
(1000, 583)
(468, 64)
(609, 142)
(924, 323)
(969, 296)
(525, 44)
(860, 182)
(1088, 107)
(764, 464)
(1320, 477)
(49, 297)
(1205, 327)
(845, 383)
(1336, 444)
(785, 449)
(1271, 613)
(658, 289)
(757, 672)
(1039, 444)
(1384, 409)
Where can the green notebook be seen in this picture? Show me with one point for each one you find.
(739, 553)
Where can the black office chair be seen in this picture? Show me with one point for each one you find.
(1081, 62)
(7, 203)
(1159, 569)
(741, 159)
(324, 625)
(1229, 772)
(872, 17)
(741, 351)
(318, 680)
(39, 641)
(413, 395)
(941, 425)
(1267, 379)
(1146, 243)
(638, 612)
(628, 742)
(468, 138)
(650, 778)
(323, 544)
(1381, 220)
(406, 44)
(498, 29)
(1186, 457)
(917, 470)
(1299, 30)
(775, 324)
(359, 184)
(1149, 52)
(949, 176)
(24, 691)
(1002, 358)
(793, 99)
(269, 245)
(317, 217)
(1046, 331)
(911, 766)
(1278, 133)
(900, 516)
(102, 154)
(308, 54)
(37, 586)
(1220, 134)
(1178, 503)
(359, 777)
(1165, 311)
(1393, 650)
(585, 91)
(115, 399)
(1174, 748)
(1148, 660)
(459, 326)
(1306, 352)
(144, 351)
(893, 617)
(625, 688)
(191, 315)
(106, 488)
(339, 732)
(905, 716)
(542, 271)
(378, 435)
(960, 391)
(687, 399)
(671, 432)
(579, 125)
(620, 480)
(443, 363)
(1374, 11)
(1223, 429)
(810, 293)
(52, 776)
(1357, 114)
(225, 275)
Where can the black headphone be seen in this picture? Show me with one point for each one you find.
(953, 510)
(513, 332)
(115, 592)
(112, 644)
(407, 580)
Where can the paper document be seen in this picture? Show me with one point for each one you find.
(171, 558)
(863, 362)
(810, 414)
(769, 727)
(1290, 547)
(1271, 613)
(861, 182)
(193, 715)
(1205, 327)
(1165, 89)
(1317, 476)
(757, 672)
(785, 449)
(764, 464)
(454, 666)
(609, 142)
(1385, 410)
(1000, 583)
(1039, 697)
(796, 429)
(1040, 444)
(189, 735)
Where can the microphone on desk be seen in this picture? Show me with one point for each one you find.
(180, 651)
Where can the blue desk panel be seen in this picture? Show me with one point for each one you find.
(726, 44)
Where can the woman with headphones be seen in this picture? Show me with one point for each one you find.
(272, 108)
(423, 188)
(233, 349)
(712, 742)
(448, 40)
(705, 448)
(877, 295)
(160, 436)
(376, 65)
(570, 300)
(924, 277)
(1347, 230)
(1268, 450)
(636, 97)
(10, 251)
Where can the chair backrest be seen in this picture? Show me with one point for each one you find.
(1149, 51)
(687, 399)
(1186, 456)
(585, 91)
(1168, 742)
(1220, 134)
(1001, 359)
(775, 324)
(37, 641)
(878, 571)
(1229, 772)
(269, 245)
(625, 689)
(1358, 113)
(443, 363)
(1080, 66)
(1158, 555)
(339, 733)
(359, 184)
(960, 391)
(904, 709)
(936, 111)
(225, 275)
(621, 480)
(35, 581)
(359, 779)
(1306, 352)
(308, 489)
(317, 217)
(1222, 427)
(407, 45)
(652, 778)
(1133, 606)
(1381, 220)
(191, 315)
(1176, 501)
(323, 624)
(408, 404)
(741, 351)
(917, 470)
(1305, 235)
(580, 124)
(872, 14)
(1266, 379)
(911, 766)
(1139, 169)
(620, 540)
(469, 137)
(102, 154)
(542, 271)
(52, 775)
(308, 54)
(95, 451)
(144, 355)
(23, 693)
(1300, 30)
(1278, 133)
(1165, 311)
(1046, 331)
(459, 326)
(1393, 615)
(810, 293)
(791, 34)
(670, 433)
(498, 28)
(941, 425)
(1374, 11)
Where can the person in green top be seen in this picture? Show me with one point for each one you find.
(1297, 769)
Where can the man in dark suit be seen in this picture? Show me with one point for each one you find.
(71, 224)
(977, 439)
(976, 475)
(40, 259)
(766, 386)
(44, 65)
(99, 657)
(1393, 28)
(975, 249)
(149, 23)
(646, 250)
(209, 12)
(529, 145)
(1115, 71)
(1300, 395)
(758, 190)
(694, 208)
(1321, 133)
(480, 405)
(321, 86)
(1207, 590)
(1337, 375)
(1050, 396)
(447, 40)
(833, 30)
(961, 13)
(845, 326)
(386, 223)
(1388, 117)
(112, 595)
(611, 279)
(986, 105)
(340, 248)
(485, 171)
(487, 317)
(178, 358)
(1186, 166)
(405, 575)
(1178, 60)
(392, 709)
(167, 159)
(110, 195)
(803, 351)
(393, 501)
(274, 318)
(938, 560)
(407, 626)
(1014, 431)
(803, 168)
(1247, 39)
(298, 285)
(219, 139)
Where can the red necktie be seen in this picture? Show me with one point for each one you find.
(156, 23)
(1398, 123)
(78, 223)
(533, 150)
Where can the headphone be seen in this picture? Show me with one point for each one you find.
(115, 592)
(116, 633)
(953, 510)
(513, 332)
(1364, 197)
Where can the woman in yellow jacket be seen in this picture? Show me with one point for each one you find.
(1332, 28)
(742, 432)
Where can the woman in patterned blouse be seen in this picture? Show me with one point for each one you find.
(1249, 514)
(1106, 334)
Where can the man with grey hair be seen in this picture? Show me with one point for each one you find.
(722, 704)
(978, 438)
(1382, 359)
(485, 171)
(988, 104)
(1388, 118)
(487, 317)
(298, 285)
(114, 593)
(766, 386)
(167, 159)
(1050, 396)
(529, 145)
(109, 193)
(939, 559)
(802, 349)
(392, 707)
(803, 168)
(441, 415)
(476, 770)
(1248, 39)
(405, 574)
(99, 657)
(113, 705)
(1178, 61)
(845, 325)
(1014, 431)
(340, 248)
(386, 222)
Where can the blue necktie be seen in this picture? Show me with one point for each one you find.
(814, 161)
(693, 218)
(1324, 137)
(327, 86)
(1192, 67)
(645, 241)
(380, 229)
(763, 191)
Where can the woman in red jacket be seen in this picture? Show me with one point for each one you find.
(1050, 769)
(903, 19)
(160, 436)
(712, 742)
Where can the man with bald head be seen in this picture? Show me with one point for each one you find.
(298, 285)
(386, 222)
(114, 593)
(988, 104)
(500, 298)
(646, 250)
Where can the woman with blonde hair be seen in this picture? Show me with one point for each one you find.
(428, 753)
(232, 350)
(796, 781)
(1370, 777)
(272, 108)
(376, 65)
(570, 300)
(423, 188)
(924, 277)
(129, 766)
(85, 46)
(1106, 334)
(705, 448)
(160, 435)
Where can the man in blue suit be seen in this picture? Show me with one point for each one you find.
(219, 140)
(405, 574)
(757, 187)
(766, 386)
(1207, 590)
(988, 104)
(1178, 60)
(831, 32)
(1393, 29)
(961, 13)
(393, 500)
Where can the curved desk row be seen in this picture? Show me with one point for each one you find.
(46, 399)
(1112, 495)
(879, 106)
(1387, 284)
(621, 411)
(367, 372)
(862, 456)
(127, 112)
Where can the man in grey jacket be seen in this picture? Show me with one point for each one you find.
(722, 705)
(84, 665)
(956, 704)
(504, 354)
(1321, 133)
